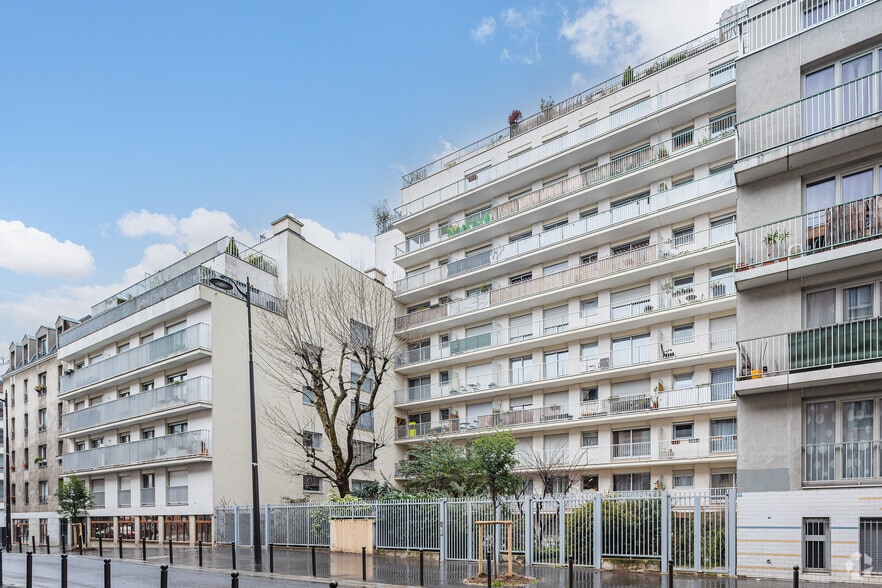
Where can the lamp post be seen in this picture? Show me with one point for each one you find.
(8, 537)
(225, 284)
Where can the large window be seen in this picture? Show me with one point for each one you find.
(870, 545)
(521, 369)
(841, 304)
(631, 482)
(630, 443)
(555, 364)
(855, 96)
(631, 350)
(724, 437)
(840, 437)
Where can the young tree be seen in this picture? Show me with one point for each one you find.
(75, 500)
(554, 468)
(330, 353)
(439, 467)
(493, 461)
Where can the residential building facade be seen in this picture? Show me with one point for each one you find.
(570, 279)
(809, 277)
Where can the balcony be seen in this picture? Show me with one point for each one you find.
(850, 463)
(668, 250)
(627, 359)
(639, 404)
(176, 495)
(789, 18)
(189, 445)
(537, 333)
(106, 414)
(802, 245)
(810, 350)
(679, 450)
(574, 139)
(810, 130)
(194, 338)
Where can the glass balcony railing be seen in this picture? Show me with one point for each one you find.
(665, 299)
(196, 390)
(813, 232)
(148, 496)
(653, 253)
(856, 100)
(675, 95)
(810, 349)
(189, 339)
(192, 444)
(124, 498)
(584, 226)
(625, 354)
(177, 494)
(788, 18)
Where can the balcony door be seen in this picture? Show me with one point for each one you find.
(631, 350)
(857, 439)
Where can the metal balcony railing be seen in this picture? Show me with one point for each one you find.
(649, 403)
(654, 302)
(189, 339)
(788, 18)
(843, 104)
(675, 95)
(812, 232)
(196, 390)
(852, 462)
(809, 349)
(620, 214)
(656, 64)
(657, 252)
(178, 446)
(623, 356)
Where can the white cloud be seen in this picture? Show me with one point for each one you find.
(505, 55)
(27, 250)
(617, 34)
(484, 31)
(143, 222)
(355, 249)
(191, 232)
(578, 81)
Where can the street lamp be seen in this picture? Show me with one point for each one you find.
(8, 537)
(225, 284)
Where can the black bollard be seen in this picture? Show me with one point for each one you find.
(19, 545)
(171, 555)
(81, 544)
(233, 545)
(422, 562)
(200, 553)
(100, 544)
(106, 573)
(33, 544)
(48, 552)
(272, 565)
(143, 549)
(63, 544)
(364, 563)
(119, 541)
(29, 578)
(312, 547)
(795, 576)
(63, 570)
(163, 576)
(1, 566)
(570, 562)
(234, 583)
(489, 569)
(332, 584)
(670, 573)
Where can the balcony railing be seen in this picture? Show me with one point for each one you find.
(789, 18)
(652, 303)
(621, 118)
(177, 494)
(637, 257)
(197, 390)
(178, 446)
(124, 498)
(679, 449)
(818, 348)
(840, 105)
(626, 356)
(189, 339)
(813, 232)
(620, 214)
(852, 462)
(649, 403)
(148, 496)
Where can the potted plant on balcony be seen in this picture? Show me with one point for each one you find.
(40, 461)
(771, 241)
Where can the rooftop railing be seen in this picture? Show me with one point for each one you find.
(790, 17)
(811, 349)
(661, 62)
(651, 303)
(196, 390)
(658, 252)
(811, 233)
(184, 341)
(616, 120)
(638, 353)
(855, 100)
(178, 446)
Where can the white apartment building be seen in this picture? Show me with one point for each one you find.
(809, 279)
(155, 392)
(570, 279)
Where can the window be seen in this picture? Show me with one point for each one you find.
(631, 443)
(414, 242)
(684, 236)
(96, 443)
(682, 381)
(146, 386)
(364, 451)
(722, 124)
(146, 338)
(588, 258)
(365, 419)
(870, 544)
(588, 354)
(520, 236)
(589, 439)
(521, 369)
(124, 393)
(816, 544)
(588, 213)
(629, 302)
(308, 396)
(589, 394)
(520, 327)
(41, 419)
(683, 431)
(555, 320)
(554, 224)
(857, 302)
(125, 437)
(684, 478)
(682, 138)
(122, 348)
(631, 482)
(628, 247)
(312, 484)
(174, 328)
(631, 350)
(723, 436)
(176, 428)
(723, 384)
(148, 433)
(722, 479)
(555, 364)
(419, 388)
(554, 268)
(588, 307)
(590, 483)
(684, 334)
(44, 492)
(361, 335)
(521, 278)
(857, 437)
(176, 378)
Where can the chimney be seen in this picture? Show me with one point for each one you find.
(376, 275)
(287, 223)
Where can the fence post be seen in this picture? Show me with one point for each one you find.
(665, 530)
(48, 549)
(489, 568)
(562, 535)
(33, 544)
(119, 541)
(235, 527)
(64, 544)
(143, 548)
(29, 573)
(63, 571)
(100, 544)
(81, 544)
(696, 532)
(1, 565)
(528, 531)
(106, 573)
(234, 583)
(442, 531)
(163, 576)
(233, 547)
(598, 530)
(200, 553)
(730, 531)
(269, 546)
(422, 573)
(795, 575)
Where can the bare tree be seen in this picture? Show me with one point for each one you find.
(554, 468)
(333, 349)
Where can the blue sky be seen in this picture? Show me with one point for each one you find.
(133, 131)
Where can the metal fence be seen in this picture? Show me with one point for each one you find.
(695, 529)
